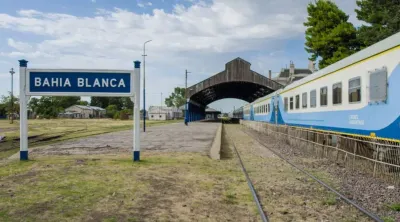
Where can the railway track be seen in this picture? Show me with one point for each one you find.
(264, 217)
(326, 186)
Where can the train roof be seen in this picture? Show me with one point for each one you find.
(368, 52)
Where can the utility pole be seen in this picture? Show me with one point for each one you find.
(144, 85)
(186, 97)
(12, 95)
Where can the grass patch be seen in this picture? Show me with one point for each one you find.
(330, 200)
(388, 219)
(172, 186)
(44, 132)
(395, 207)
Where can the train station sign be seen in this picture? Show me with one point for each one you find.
(78, 82)
(82, 82)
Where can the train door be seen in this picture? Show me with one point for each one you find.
(251, 113)
(276, 105)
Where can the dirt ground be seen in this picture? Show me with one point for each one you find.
(196, 137)
(285, 193)
(375, 195)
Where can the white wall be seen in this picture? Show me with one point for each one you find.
(157, 116)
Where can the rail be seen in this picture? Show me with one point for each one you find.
(264, 218)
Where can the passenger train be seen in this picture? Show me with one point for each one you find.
(359, 96)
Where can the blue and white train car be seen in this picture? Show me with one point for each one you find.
(248, 112)
(264, 109)
(359, 95)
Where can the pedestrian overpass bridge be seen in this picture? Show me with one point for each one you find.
(237, 81)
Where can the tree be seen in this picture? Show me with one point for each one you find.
(177, 98)
(111, 110)
(83, 102)
(383, 18)
(6, 101)
(66, 101)
(51, 106)
(120, 102)
(102, 102)
(329, 36)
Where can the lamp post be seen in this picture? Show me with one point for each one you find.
(187, 99)
(12, 96)
(144, 85)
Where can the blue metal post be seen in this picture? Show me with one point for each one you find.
(186, 111)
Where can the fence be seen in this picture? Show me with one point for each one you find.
(377, 157)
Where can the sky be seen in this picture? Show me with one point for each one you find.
(200, 36)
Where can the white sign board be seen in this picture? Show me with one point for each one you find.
(78, 82)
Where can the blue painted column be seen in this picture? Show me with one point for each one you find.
(187, 112)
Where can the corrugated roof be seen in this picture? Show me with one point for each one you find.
(90, 107)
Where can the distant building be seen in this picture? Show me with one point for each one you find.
(212, 114)
(287, 76)
(83, 112)
(164, 113)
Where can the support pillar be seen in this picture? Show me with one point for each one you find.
(136, 113)
(23, 111)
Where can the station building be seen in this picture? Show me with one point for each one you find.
(83, 112)
(164, 113)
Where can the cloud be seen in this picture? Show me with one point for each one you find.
(21, 46)
(149, 3)
(93, 1)
(201, 37)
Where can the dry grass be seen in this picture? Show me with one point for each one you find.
(42, 132)
(164, 186)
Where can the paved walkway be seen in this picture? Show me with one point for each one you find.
(197, 137)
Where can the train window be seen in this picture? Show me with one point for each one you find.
(337, 93)
(313, 98)
(304, 100)
(324, 96)
(355, 90)
(269, 107)
(297, 101)
(286, 104)
(378, 85)
(291, 103)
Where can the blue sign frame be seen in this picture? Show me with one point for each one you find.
(70, 82)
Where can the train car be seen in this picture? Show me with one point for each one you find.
(355, 96)
(238, 113)
(247, 112)
(264, 109)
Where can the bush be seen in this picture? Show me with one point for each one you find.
(116, 115)
(111, 110)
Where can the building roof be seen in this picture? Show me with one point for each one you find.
(211, 110)
(89, 107)
(285, 72)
